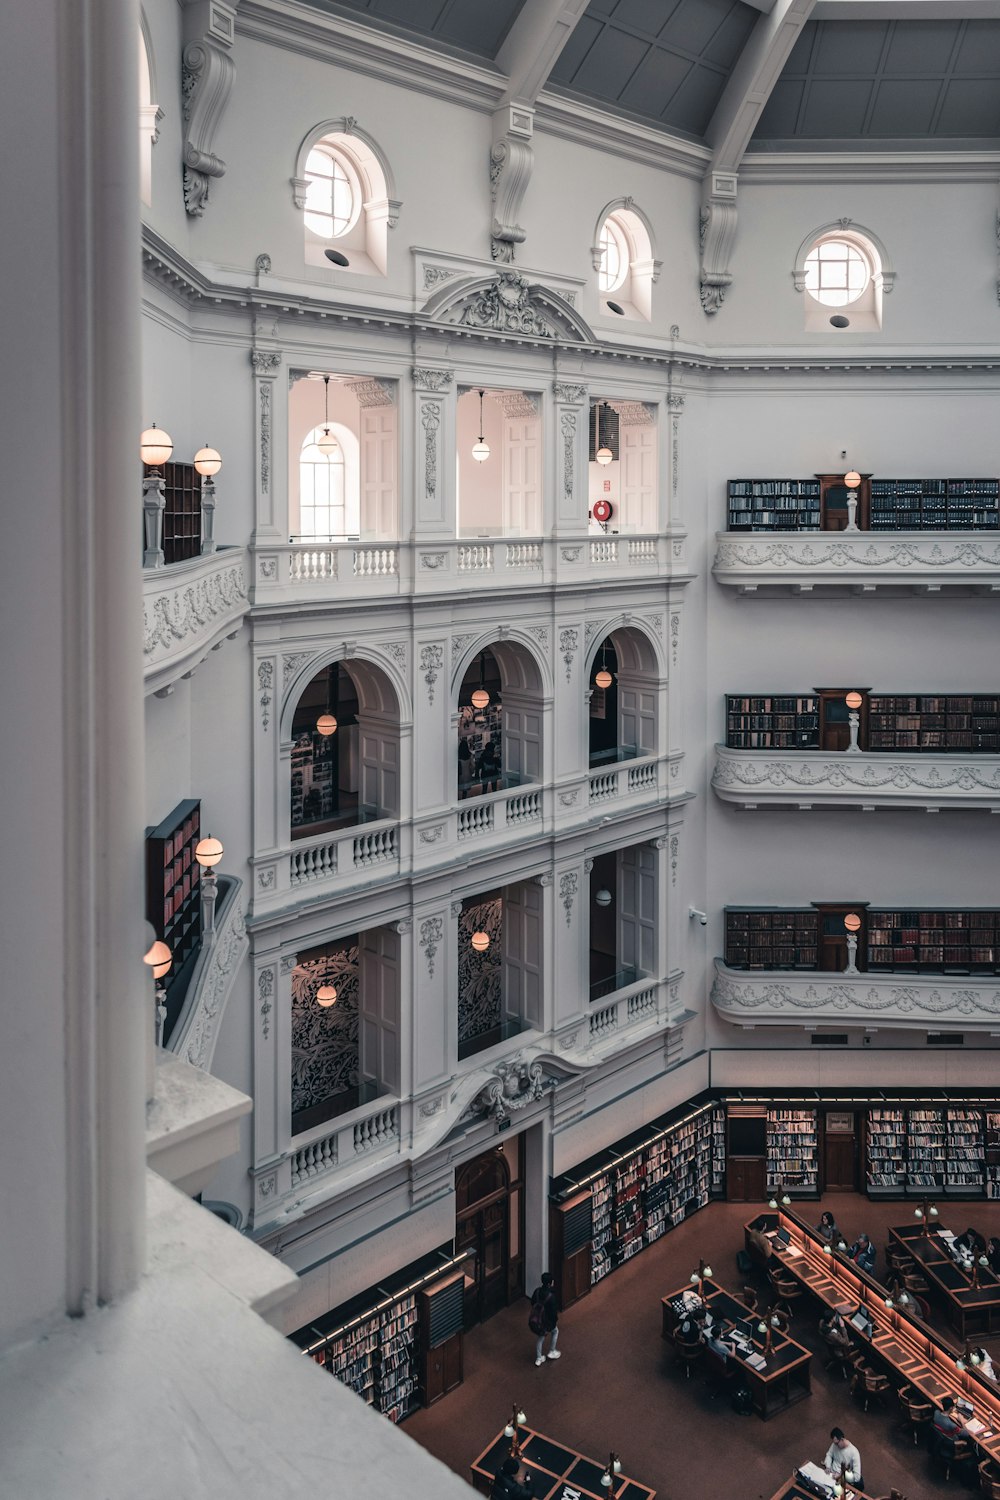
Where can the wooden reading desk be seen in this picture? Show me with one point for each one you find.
(559, 1473)
(785, 1376)
(904, 1347)
(968, 1309)
(792, 1489)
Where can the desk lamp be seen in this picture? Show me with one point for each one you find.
(766, 1328)
(698, 1277)
(979, 1263)
(512, 1430)
(925, 1213)
(847, 1477)
(784, 1200)
(614, 1467)
(969, 1359)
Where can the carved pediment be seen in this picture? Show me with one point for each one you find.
(507, 302)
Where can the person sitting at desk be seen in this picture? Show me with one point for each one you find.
(507, 1486)
(946, 1424)
(993, 1254)
(690, 1332)
(833, 1330)
(972, 1241)
(827, 1227)
(862, 1252)
(840, 1454)
(985, 1365)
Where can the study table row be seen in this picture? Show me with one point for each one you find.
(970, 1308)
(890, 1335)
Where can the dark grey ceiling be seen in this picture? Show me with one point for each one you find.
(661, 60)
(477, 26)
(888, 80)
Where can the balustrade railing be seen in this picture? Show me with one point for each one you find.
(604, 550)
(641, 778)
(641, 550)
(641, 1004)
(376, 562)
(376, 1130)
(603, 785)
(473, 818)
(375, 848)
(603, 1021)
(523, 555)
(313, 863)
(315, 1159)
(524, 807)
(308, 564)
(475, 559)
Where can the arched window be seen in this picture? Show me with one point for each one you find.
(622, 256)
(329, 507)
(843, 272)
(150, 115)
(344, 188)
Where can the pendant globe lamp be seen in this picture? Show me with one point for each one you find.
(604, 455)
(481, 448)
(604, 678)
(326, 442)
(480, 698)
(326, 724)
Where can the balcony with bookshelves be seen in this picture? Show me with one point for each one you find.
(894, 969)
(854, 748)
(804, 535)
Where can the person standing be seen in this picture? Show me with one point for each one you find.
(543, 1320)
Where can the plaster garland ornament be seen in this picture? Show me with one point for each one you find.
(569, 797)
(507, 306)
(460, 642)
(434, 275)
(207, 72)
(172, 616)
(516, 404)
(265, 877)
(920, 999)
(567, 426)
(265, 989)
(573, 395)
(675, 630)
(431, 561)
(430, 421)
(592, 628)
(674, 847)
(267, 1186)
(570, 554)
(655, 623)
(431, 933)
(397, 651)
(432, 835)
(863, 554)
(265, 436)
(292, 664)
(633, 413)
(568, 887)
(431, 662)
(432, 381)
(569, 641)
(844, 774)
(262, 265)
(265, 685)
(431, 1106)
(540, 633)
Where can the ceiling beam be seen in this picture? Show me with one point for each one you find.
(533, 44)
(751, 81)
(907, 10)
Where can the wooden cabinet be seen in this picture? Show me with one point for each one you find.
(571, 1230)
(745, 1179)
(442, 1369)
(441, 1319)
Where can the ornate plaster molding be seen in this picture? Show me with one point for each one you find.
(511, 162)
(898, 1001)
(514, 1085)
(516, 403)
(508, 303)
(371, 392)
(188, 610)
(211, 983)
(757, 778)
(431, 380)
(863, 562)
(633, 413)
(717, 231)
(207, 74)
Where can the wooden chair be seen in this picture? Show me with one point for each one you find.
(750, 1297)
(786, 1290)
(949, 1452)
(917, 1411)
(687, 1354)
(989, 1480)
(875, 1387)
(838, 1360)
(915, 1283)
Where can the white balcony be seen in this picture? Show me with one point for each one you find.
(189, 608)
(340, 571)
(802, 562)
(328, 863)
(805, 779)
(807, 999)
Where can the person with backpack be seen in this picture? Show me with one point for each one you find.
(543, 1319)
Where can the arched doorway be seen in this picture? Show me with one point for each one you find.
(489, 1199)
(499, 721)
(624, 711)
(345, 750)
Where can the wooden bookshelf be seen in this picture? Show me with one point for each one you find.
(992, 1145)
(773, 504)
(936, 942)
(759, 937)
(397, 1383)
(181, 513)
(885, 1169)
(173, 895)
(935, 505)
(965, 1151)
(772, 722)
(793, 1150)
(936, 722)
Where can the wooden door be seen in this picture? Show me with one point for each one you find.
(840, 1152)
(834, 718)
(833, 502)
(522, 950)
(378, 473)
(638, 477)
(379, 1004)
(832, 956)
(482, 1194)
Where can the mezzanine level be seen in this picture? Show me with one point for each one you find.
(859, 562)
(869, 780)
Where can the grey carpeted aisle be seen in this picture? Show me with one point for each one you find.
(618, 1386)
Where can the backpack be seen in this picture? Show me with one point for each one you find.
(742, 1401)
(536, 1316)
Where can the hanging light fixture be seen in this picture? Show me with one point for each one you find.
(604, 678)
(326, 724)
(208, 462)
(479, 942)
(326, 995)
(602, 897)
(155, 446)
(604, 455)
(481, 449)
(480, 698)
(327, 444)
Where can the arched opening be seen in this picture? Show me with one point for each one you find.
(345, 750)
(622, 256)
(843, 271)
(345, 1026)
(150, 116)
(342, 487)
(499, 462)
(342, 185)
(499, 966)
(499, 721)
(622, 919)
(489, 1200)
(624, 710)
(622, 468)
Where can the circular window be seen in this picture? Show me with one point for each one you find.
(333, 200)
(614, 257)
(837, 272)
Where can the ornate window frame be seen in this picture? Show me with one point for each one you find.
(634, 292)
(865, 314)
(366, 242)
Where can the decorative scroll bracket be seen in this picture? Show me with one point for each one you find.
(717, 233)
(511, 162)
(207, 74)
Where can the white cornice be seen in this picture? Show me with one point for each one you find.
(350, 44)
(587, 124)
(869, 166)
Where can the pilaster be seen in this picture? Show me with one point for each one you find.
(434, 479)
(567, 920)
(571, 408)
(433, 1022)
(265, 363)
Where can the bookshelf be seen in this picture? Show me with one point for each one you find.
(773, 504)
(965, 1151)
(936, 942)
(935, 722)
(886, 1146)
(181, 513)
(601, 1244)
(173, 895)
(763, 938)
(793, 1151)
(350, 1357)
(926, 1151)
(769, 722)
(935, 505)
(992, 1144)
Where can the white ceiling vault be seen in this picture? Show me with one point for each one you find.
(863, 74)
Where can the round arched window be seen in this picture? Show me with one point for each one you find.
(837, 272)
(333, 197)
(614, 257)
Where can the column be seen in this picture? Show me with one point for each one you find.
(431, 1023)
(269, 523)
(568, 921)
(272, 1081)
(434, 467)
(571, 409)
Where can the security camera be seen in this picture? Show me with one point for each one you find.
(694, 912)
